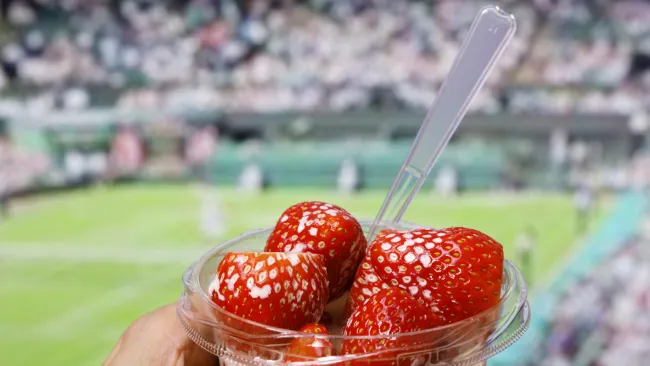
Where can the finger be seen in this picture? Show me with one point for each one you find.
(157, 338)
(186, 352)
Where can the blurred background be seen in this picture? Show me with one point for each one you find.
(137, 134)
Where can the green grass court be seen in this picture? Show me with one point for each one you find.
(78, 267)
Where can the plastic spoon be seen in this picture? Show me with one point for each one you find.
(490, 33)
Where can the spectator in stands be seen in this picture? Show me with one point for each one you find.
(337, 56)
(5, 163)
(126, 154)
(340, 56)
(199, 151)
(20, 13)
(609, 308)
(12, 55)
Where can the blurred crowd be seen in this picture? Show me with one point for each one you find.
(604, 320)
(587, 58)
(266, 56)
(19, 167)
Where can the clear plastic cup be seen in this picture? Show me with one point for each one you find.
(237, 341)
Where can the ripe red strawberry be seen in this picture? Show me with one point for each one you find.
(310, 347)
(366, 282)
(390, 311)
(462, 269)
(456, 270)
(322, 228)
(285, 290)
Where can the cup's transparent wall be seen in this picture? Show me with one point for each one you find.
(237, 341)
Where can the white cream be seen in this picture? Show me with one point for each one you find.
(214, 288)
(241, 259)
(409, 257)
(260, 292)
(301, 224)
(293, 259)
(298, 248)
(426, 260)
(231, 282)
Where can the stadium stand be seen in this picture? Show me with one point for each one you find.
(333, 55)
(252, 63)
(602, 319)
(574, 314)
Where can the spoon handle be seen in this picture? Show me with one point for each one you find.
(490, 33)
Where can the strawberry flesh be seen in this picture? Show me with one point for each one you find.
(366, 284)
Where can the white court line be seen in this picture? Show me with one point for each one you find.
(75, 320)
(23, 334)
(70, 323)
(79, 254)
(142, 223)
(497, 198)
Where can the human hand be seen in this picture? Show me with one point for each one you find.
(157, 338)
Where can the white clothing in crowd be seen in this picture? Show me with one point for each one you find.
(251, 179)
(446, 183)
(348, 179)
